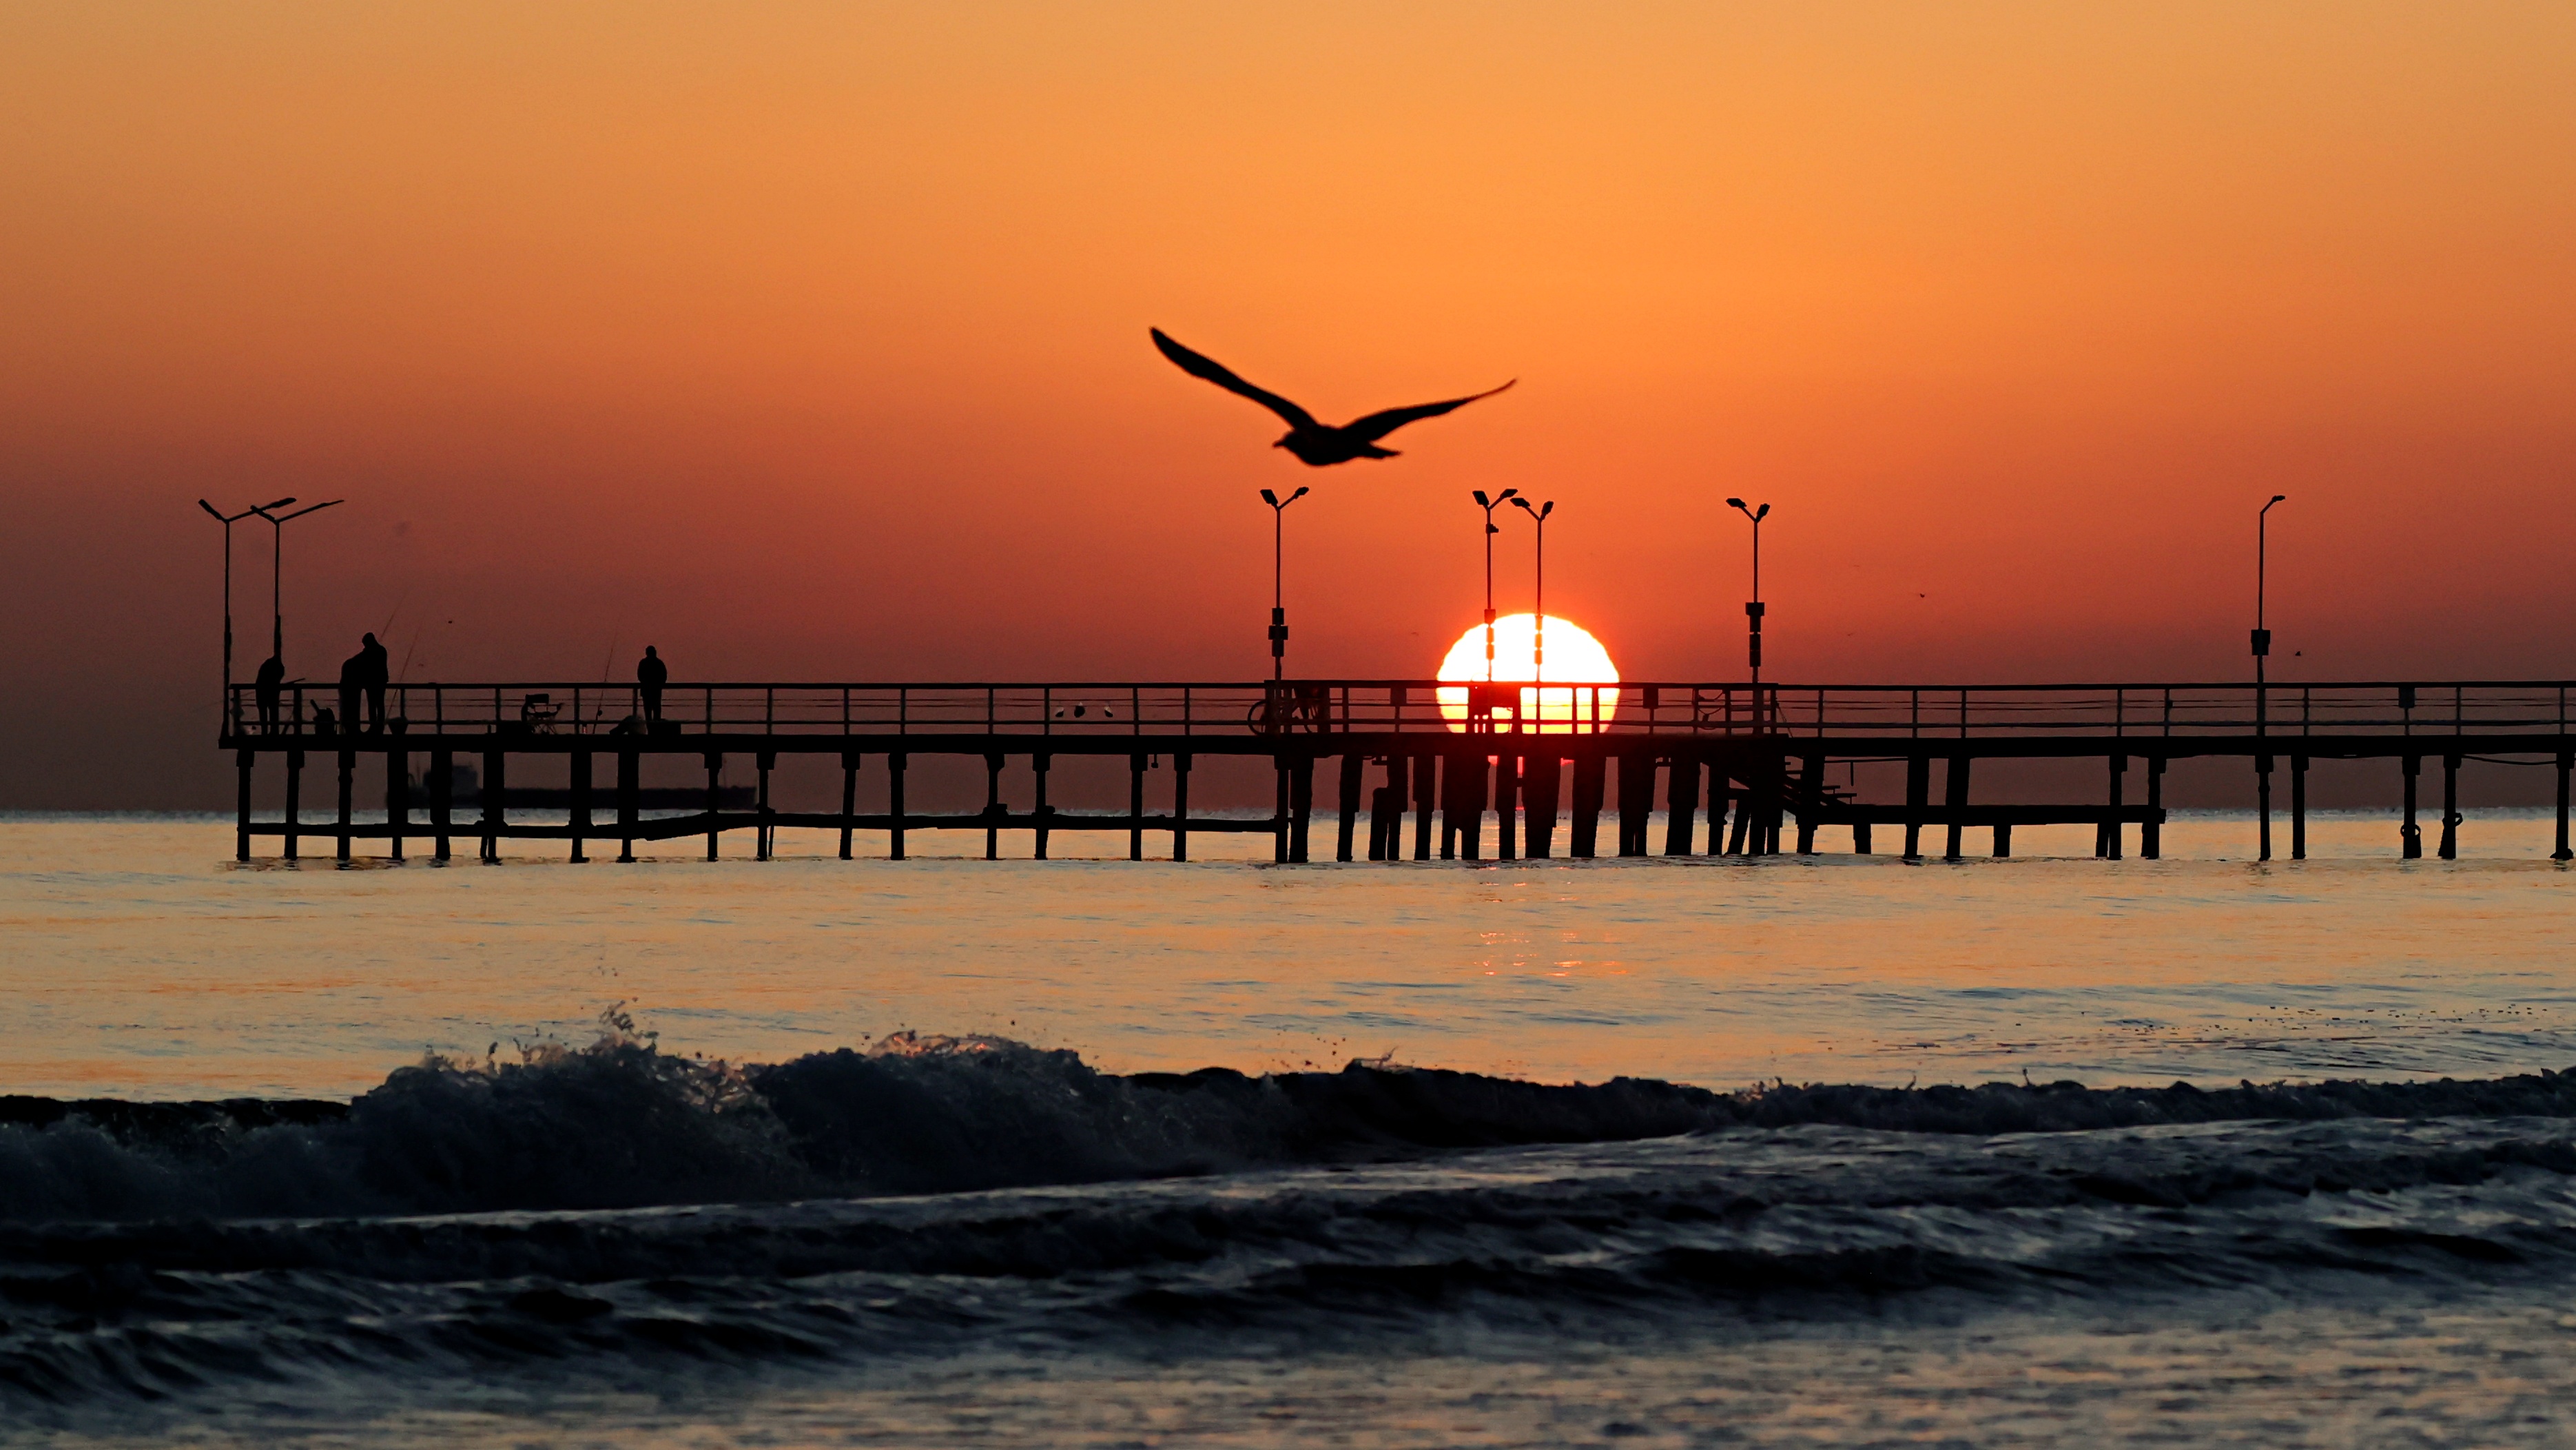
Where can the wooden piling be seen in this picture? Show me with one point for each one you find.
(849, 799)
(1463, 816)
(1681, 805)
(1636, 801)
(1136, 807)
(715, 784)
(1723, 805)
(495, 809)
(1860, 838)
(2566, 767)
(2003, 840)
(764, 831)
(397, 799)
(1542, 778)
(1180, 808)
(1811, 800)
(2410, 837)
(630, 801)
(2109, 846)
(896, 764)
(1591, 771)
(241, 828)
(2151, 836)
(442, 802)
(348, 772)
(295, 801)
(1426, 796)
(1348, 800)
(1956, 786)
(2450, 808)
(1038, 766)
(2263, 807)
(992, 806)
(2298, 808)
(1507, 804)
(1918, 796)
(580, 805)
(1301, 806)
(1399, 794)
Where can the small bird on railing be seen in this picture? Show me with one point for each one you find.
(1316, 445)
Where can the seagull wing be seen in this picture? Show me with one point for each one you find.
(1215, 372)
(1378, 425)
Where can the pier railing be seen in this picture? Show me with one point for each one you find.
(1097, 712)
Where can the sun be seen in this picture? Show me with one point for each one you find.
(1573, 656)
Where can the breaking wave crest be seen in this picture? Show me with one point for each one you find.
(621, 1124)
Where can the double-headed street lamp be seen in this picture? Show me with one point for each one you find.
(228, 520)
(276, 568)
(1278, 610)
(1489, 505)
(1538, 638)
(1753, 608)
(2262, 696)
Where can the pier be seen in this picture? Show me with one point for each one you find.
(1417, 768)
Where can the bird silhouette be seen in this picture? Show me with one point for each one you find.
(1316, 445)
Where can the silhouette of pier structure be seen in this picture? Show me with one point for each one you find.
(1420, 768)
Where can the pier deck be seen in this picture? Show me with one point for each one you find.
(1740, 760)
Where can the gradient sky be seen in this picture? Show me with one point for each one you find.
(809, 340)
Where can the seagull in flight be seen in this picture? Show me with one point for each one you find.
(1315, 444)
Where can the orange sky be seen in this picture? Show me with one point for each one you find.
(810, 340)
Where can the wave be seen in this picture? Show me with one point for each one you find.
(621, 1124)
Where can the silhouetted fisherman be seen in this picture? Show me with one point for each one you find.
(651, 675)
(1315, 444)
(363, 676)
(271, 678)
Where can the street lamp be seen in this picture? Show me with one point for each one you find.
(1753, 609)
(1489, 505)
(2263, 696)
(1538, 639)
(1278, 612)
(276, 568)
(228, 520)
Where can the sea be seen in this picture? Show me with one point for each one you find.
(1829, 1150)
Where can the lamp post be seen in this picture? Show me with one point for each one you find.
(2262, 695)
(276, 567)
(1753, 608)
(228, 520)
(1489, 505)
(1538, 638)
(1278, 611)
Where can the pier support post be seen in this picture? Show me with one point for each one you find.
(1681, 805)
(630, 800)
(2151, 836)
(1301, 806)
(1180, 808)
(896, 764)
(764, 833)
(1748, 814)
(1957, 785)
(1426, 796)
(581, 805)
(1860, 838)
(348, 772)
(2566, 767)
(1507, 804)
(1918, 795)
(1039, 765)
(715, 796)
(1399, 801)
(1542, 780)
(442, 802)
(849, 799)
(1279, 810)
(1348, 800)
(1636, 801)
(397, 799)
(1811, 800)
(1135, 807)
(295, 801)
(2450, 808)
(1463, 816)
(1590, 776)
(2298, 808)
(495, 804)
(2107, 840)
(2003, 840)
(2263, 807)
(993, 807)
(2410, 836)
(241, 826)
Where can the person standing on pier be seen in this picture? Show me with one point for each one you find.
(271, 679)
(362, 677)
(379, 672)
(650, 675)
